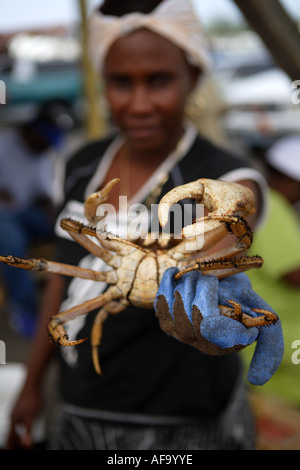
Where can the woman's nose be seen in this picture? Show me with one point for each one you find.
(140, 100)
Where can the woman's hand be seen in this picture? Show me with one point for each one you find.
(23, 416)
(189, 310)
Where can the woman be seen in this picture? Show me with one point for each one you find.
(155, 393)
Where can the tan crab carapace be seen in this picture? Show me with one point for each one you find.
(137, 266)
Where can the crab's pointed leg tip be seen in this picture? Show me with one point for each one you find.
(66, 342)
(111, 184)
(269, 316)
(96, 362)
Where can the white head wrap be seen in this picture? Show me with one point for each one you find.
(175, 20)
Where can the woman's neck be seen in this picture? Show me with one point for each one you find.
(134, 166)
(133, 172)
(149, 156)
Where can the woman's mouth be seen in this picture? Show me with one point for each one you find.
(142, 132)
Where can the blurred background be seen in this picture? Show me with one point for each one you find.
(245, 104)
(41, 63)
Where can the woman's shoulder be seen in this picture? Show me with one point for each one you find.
(210, 160)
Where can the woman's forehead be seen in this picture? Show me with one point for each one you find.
(144, 48)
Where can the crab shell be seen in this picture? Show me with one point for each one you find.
(136, 270)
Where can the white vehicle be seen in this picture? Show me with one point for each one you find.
(258, 100)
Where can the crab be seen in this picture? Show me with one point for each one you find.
(137, 265)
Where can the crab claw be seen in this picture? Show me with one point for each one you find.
(59, 335)
(194, 190)
(220, 198)
(96, 199)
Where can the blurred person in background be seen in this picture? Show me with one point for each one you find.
(155, 392)
(278, 281)
(26, 209)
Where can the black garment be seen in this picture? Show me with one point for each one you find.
(233, 430)
(144, 370)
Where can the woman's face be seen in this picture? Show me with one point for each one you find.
(147, 81)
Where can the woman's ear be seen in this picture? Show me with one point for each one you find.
(195, 77)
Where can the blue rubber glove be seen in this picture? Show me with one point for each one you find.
(188, 310)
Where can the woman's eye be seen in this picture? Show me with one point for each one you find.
(160, 81)
(122, 83)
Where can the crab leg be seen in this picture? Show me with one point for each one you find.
(96, 336)
(223, 267)
(95, 200)
(235, 313)
(97, 330)
(56, 328)
(109, 241)
(58, 268)
(112, 242)
(81, 233)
